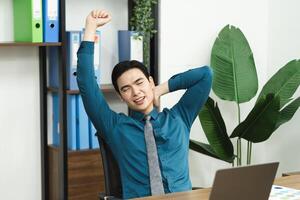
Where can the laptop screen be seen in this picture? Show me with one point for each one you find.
(252, 182)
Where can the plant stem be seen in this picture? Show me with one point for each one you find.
(249, 150)
(237, 152)
(239, 141)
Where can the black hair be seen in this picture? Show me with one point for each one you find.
(124, 66)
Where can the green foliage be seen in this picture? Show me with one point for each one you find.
(206, 149)
(284, 83)
(143, 22)
(261, 121)
(213, 123)
(235, 79)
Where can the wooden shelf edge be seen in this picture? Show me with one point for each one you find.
(9, 43)
(56, 148)
(105, 88)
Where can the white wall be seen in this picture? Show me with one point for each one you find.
(19, 124)
(188, 30)
(19, 116)
(20, 163)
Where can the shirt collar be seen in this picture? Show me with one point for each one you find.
(140, 116)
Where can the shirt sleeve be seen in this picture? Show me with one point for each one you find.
(102, 117)
(198, 84)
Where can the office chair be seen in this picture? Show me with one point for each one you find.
(113, 185)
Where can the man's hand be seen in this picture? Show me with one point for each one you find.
(94, 20)
(156, 96)
(158, 91)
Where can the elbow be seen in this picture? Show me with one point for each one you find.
(207, 74)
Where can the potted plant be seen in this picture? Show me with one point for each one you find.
(235, 79)
(143, 22)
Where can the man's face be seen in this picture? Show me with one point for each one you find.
(136, 90)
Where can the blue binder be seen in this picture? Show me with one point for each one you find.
(94, 144)
(53, 66)
(51, 20)
(55, 120)
(130, 46)
(72, 124)
(73, 43)
(83, 126)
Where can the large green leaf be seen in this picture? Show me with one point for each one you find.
(288, 112)
(215, 130)
(284, 83)
(206, 150)
(261, 121)
(202, 148)
(235, 77)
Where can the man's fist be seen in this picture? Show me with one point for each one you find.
(98, 18)
(94, 20)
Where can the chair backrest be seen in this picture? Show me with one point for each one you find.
(113, 185)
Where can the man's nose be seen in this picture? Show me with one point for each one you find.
(135, 91)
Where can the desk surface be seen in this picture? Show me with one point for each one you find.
(203, 194)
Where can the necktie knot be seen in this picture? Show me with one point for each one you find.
(147, 117)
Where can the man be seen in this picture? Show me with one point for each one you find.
(144, 170)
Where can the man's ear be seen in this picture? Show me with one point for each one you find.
(151, 80)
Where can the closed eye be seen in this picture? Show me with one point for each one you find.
(124, 89)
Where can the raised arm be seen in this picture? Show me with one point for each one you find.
(198, 84)
(95, 105)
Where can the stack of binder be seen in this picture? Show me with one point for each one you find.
(36, 20)
(81, 132)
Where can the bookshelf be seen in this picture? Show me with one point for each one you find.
(40, 44)
(68, 160)
(70, 164)
(104, 88)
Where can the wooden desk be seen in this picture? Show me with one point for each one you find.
(203, 194)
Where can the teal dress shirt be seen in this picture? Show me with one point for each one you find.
(125, 134)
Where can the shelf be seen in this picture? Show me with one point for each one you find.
(55, 148)
(105, 88)
(85, 174)
(12, 44)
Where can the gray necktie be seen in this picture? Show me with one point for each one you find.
(154, 170)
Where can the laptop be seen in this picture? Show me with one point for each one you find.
(252, 182)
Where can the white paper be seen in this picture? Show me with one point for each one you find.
(280, 193)
(37, 14)
(136, 48)
(52, 11)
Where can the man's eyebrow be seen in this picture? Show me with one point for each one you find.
(137, 80)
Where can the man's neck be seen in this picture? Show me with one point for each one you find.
(148, 109)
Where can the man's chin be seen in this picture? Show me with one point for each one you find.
(137, 108)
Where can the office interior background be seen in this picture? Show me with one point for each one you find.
(187, 32)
